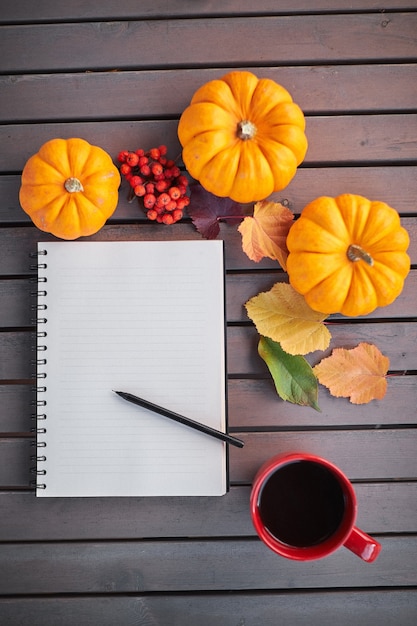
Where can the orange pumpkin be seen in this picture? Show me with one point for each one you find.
(242, 137)
(348, 254)
(69, 188)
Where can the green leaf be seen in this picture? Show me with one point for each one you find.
(293, 376)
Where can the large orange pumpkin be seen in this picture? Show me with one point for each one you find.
(69, 188)
(348, 254)
(242, 137)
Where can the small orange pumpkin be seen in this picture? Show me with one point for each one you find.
(242, 137)
(69, 188)
(348, 254)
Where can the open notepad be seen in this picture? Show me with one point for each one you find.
(145, 317)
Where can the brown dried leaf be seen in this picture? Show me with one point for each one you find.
(358, 374)
(265, 233)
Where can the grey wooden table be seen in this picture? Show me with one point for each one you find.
(119, 75)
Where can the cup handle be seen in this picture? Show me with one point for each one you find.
(363, 545)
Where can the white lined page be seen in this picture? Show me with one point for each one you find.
(146, 318)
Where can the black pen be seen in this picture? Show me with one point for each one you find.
(180, 418)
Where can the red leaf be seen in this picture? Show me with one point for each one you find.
(207, 211)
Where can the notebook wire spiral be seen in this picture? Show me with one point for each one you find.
(39, 403)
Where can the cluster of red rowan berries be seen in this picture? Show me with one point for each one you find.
(158, 181)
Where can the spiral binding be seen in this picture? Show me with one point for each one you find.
(37, 415)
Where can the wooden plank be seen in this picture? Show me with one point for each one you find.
(170, 566)
(362, 608)
(370, 455)
(395, 185)
(255, 402)
(228, 516)
(319, 608)
(241, 287)
(18, 350)
(361, 454)
(395, 340)
(48, 10)
(17, 302)
(16, 463)
(321, 89)
(300, 39)
(366, 140)
(16, 408)
(17, 243)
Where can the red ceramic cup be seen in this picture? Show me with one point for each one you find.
(303, 507)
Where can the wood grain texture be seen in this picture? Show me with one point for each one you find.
(316, 89)
(17, 407)
(119, 75)
(139, 518)
(394, 340)
(145, 566)
(396, 185)
(255, 403)
(319, 39)
(48, 10)
(17, 244)
(361, 454)
(346, 139)
(17, 302)
(362, 608)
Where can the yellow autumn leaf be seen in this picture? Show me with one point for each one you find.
(265, 233)
(283, 315)
(358, 373)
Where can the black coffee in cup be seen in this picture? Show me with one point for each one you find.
(302, 503)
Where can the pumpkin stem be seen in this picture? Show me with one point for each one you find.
(356, 253)
(73, 184)
(246, 130)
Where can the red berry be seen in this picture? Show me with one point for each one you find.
(132, 159)
(145, 170)
(156, 169)
(174, 192)
(163, 150)
(139, 190)
(152, 214)
(162, 185)
(149, 201)
(182, 180)
(167, 218)
(181, 203)
(135, 180)
(163, 199)
(140, 152)
(121, 157)
(125, 169)
(177, 215)
(143, 160)
(154, 154)
(171, 205)
(150, 188)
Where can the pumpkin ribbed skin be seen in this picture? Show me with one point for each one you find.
(69, 188)
(348, 254)
(242, 137)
